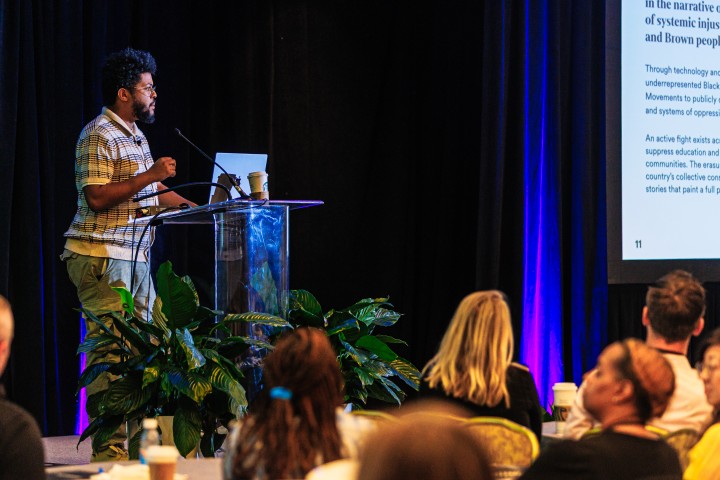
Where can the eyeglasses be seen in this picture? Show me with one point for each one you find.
(708, 368)
(148, 89)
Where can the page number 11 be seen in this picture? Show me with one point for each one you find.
(638, 243)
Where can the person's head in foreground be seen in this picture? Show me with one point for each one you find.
(475, 351)
(294, 427)
(6, 332)
(423, 447)
(709, 369)
(631, 384)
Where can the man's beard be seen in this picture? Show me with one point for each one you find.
(142, 113)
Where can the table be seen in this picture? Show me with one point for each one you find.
(196, 469)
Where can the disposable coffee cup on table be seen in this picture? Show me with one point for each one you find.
(259, 186)
(563, 398)
(161, 460)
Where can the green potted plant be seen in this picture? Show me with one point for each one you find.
(369, 364)
(173, 365)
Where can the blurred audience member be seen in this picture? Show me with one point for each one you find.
(474, 367)
(705, 456)
(295, 425)
(673, 313)
(631, 384)
(21, 448)
(424, 447)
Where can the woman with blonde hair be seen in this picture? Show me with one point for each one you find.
(473, 366)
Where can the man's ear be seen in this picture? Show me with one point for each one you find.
(699, 326)
(645, 318)
(123, 95)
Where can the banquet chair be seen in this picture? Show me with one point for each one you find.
(682, 441)
(375, 415)
(506, 442)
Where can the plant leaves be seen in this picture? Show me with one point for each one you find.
(186, 344)
(305, 309)
(190, 384)
(349, 324)
(134, 445)
(90, 316)
(257, 318)
(124, 395)
(132, 336)
(224, 381)
(127, 300)
(186, 427)
(380, 391)
(362, 375)
(179, 299)
(91, 373)
(95, 343)
(151, 374)
(149, 328)
(389, 339)
(406, 372)
(368, 342)
(385, 318)
(93, 402)
(357, 356)
(106, 428)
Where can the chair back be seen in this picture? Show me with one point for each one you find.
(374, 415)
(506, 442)
(682, 441)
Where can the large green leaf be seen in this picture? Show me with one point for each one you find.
(106, 428)
(257, 318)
(96, 343)
(224, 381)
(190, 384)
(368, 342)
(389, 339)
(132, 336)
(232, 347)
(349, 324)
(407, 372)
(184, 341)
(151, 374)
(126, 298)
(125, 395)
(102, 325)
(359, 357)
(305, 309)
(385, 318)
(91, 373)
(381, 391)
(227, 364)
(364, 377)
(159, 319)
(187, 424)
(134, 445)
(92, 405)
(155, 331)
(179, 300)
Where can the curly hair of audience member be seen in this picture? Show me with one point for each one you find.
(298, 426)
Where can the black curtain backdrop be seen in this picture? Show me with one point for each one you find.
(407, 118)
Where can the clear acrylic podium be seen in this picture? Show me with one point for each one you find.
(251, 271)
(251, 251)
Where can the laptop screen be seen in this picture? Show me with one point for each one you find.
(240, 165)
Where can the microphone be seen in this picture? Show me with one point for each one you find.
(230, 177)
(182, 185)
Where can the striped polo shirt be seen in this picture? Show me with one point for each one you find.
(108, 151)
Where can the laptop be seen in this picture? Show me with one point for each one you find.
(239, 165)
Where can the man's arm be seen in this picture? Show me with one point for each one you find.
(172, 199)
(109, 195)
